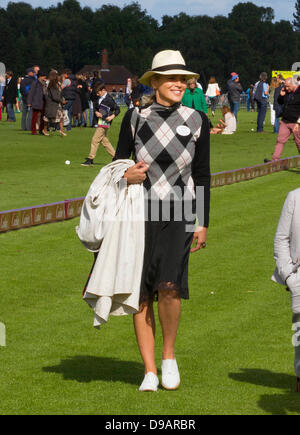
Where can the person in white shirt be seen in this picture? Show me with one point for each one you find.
(213, 92)
(228, 126)
(287, 272)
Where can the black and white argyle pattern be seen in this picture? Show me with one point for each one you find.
(165, 140)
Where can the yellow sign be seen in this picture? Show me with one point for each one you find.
(285, 74)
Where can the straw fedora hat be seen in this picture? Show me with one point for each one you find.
(167, 62)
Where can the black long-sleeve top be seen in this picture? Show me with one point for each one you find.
(109, 102)
(291, 106)
(175, 143)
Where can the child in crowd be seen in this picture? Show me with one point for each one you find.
(228, 126)
(105, 110)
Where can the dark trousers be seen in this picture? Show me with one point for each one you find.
(10, 112)
(26, 116)
(261, 114)
(37, 115)
(234, 107)
(68, 107)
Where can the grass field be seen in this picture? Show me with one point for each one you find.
(33, 170)
(234, 345)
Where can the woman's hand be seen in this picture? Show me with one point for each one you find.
(137, 173)
(199, 240)
(98, 114)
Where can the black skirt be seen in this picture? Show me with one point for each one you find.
(166, 258)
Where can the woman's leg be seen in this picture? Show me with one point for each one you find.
(45, 130)
(144, 325)
(213, 105)
(61, 129)
(169, 309)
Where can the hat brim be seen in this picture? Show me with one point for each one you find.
(146, 78)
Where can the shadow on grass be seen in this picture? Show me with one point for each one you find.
(275, 404)
(85, 368)
(97, 164)
(294, 170)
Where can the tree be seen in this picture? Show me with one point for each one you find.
(7, 45)
(296, 15)
(67, 35)
(52, 56)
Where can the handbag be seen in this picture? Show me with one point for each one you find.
(66, 120)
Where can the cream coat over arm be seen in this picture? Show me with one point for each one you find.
(287, 239)
(112, 224)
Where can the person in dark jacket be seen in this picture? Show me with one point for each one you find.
(69, 93)
(36, 100)
(97, 79)
(234, 89)
(105, 110)
(54, 113)
(25, 86)
(10, 95)
(289, 98)
(261, 95)
(276, 106)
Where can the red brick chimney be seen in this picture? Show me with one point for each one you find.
(104, 60)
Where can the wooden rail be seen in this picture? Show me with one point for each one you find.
(71, 208)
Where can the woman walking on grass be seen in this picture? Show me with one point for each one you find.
(53, 104)
(213, 92)
(170, 144)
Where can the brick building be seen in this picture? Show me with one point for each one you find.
(114, 76)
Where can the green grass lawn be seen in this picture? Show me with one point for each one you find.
(33, 170)
(234, 344)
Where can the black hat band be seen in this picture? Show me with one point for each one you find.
(170, 67)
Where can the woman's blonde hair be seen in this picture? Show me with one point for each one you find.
(192, 80)
(225, 109)
(274, 83)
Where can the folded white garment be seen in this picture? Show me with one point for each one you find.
(112, 223)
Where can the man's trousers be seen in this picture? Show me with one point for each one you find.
(100, 136)
(285, 130)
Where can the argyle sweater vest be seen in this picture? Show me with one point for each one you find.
(174, 143)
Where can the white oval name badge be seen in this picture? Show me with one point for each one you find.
(183, 130)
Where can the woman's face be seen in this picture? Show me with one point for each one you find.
(192, 85)
(169, 89)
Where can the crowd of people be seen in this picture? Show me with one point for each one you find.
(63, 101)
(69, 98)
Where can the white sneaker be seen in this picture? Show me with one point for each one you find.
(150, 382)
(170, 374)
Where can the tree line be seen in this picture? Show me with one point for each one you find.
(247, 41)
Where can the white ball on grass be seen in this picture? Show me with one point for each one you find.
(67, 162)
